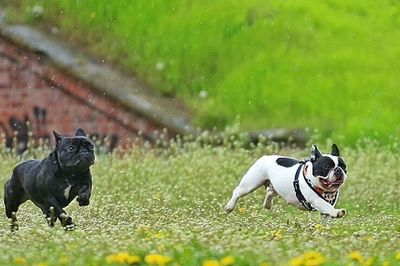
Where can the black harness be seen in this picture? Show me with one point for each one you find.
(300, 195)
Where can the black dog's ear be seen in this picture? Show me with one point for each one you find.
(79, 132)
(57, 136)
(335, 150)
(315, 154)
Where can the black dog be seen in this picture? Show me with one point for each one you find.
(54, 182)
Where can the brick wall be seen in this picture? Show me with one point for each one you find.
(36, 96)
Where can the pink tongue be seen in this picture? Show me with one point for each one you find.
(327, 183)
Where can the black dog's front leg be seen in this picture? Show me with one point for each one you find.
(55, 208)
(84, 195)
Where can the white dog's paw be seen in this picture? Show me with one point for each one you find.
(268, 205)
(268, 201)
(340, 213)
(229, 208)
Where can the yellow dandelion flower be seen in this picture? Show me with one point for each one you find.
(277, 235)
(398, 256)
(356, 256)
(122, 258)
(20, 261)
(386, 263)
(133, 259)
(298, 261)
(264, 264)
(312, 255)
(211, 263)
(118, 258)
(41, 264)
(242, 210)
(319, 227)
(310, 258)
(227, 261)
(157, 259)
(313, 258)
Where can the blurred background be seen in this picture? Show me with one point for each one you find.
(330, 65)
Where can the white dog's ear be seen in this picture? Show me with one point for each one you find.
(315, 154)
(335, 150)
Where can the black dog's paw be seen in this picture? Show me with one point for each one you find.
(14, 222)
(66, 222)
(51, 217)
(69, 227)
(83, 199)
(84, 203)
(14, 227)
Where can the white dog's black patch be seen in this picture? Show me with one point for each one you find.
(342, 164)
(322, 166)
(286, 162)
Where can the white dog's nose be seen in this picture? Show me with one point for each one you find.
(338, 172)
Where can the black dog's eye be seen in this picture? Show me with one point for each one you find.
(71, 148)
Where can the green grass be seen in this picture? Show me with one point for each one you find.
(330, 65)
(170, 201)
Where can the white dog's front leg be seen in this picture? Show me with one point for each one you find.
(325, 208)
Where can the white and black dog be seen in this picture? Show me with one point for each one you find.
(311, 184)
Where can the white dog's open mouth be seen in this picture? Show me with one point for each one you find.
(328, 184)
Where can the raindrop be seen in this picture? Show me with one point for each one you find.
(37, 11)
(160, 66)
(54, 30)
(203, 94)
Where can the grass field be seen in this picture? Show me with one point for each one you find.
(170, 202)
(331, 65)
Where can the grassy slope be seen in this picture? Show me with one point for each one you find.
(331, 65)
(171, 202)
